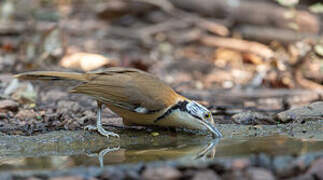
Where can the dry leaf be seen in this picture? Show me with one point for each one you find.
(84, 61)
(254, 59)
(239, 45)
(223, 56)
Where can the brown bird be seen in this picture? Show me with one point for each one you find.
(138, 97)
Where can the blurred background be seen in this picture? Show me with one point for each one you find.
(239, 53)
(203, 44)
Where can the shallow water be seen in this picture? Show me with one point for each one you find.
(185, 149)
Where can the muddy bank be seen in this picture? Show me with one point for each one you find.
(77, 141)
(272, 151)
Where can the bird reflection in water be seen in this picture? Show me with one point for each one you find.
(203, 151)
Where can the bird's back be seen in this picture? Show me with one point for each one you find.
(128, 88)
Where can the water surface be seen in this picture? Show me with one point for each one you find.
(182, 149)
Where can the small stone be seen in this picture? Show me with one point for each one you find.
(33, 178)
(67, 107)
(158, 173)
(309, 112)
(261, 160)
(3, 115)
(252, 118)
(259, 174)
(302, 177)
(284, 166)
(234, 175)
(67, 178)
(287, 166)
(115, 174)
(206, 175)
(240, 164)
(8, 105)
(316, 170)
(26, 114)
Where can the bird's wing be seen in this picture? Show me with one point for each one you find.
(128, 88)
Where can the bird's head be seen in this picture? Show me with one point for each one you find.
(190, 114)
(203, 116)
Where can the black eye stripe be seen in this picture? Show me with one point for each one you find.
(196, 116)
(181, 105)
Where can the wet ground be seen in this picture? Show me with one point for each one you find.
(82, 153)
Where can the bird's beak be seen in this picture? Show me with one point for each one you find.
(214, 130)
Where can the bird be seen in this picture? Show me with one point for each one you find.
(139, 97)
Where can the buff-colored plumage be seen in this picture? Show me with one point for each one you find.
(121, 89)
(138, 97)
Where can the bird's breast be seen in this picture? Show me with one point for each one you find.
(176, 119)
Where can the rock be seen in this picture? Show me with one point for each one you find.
(302, 177)
(206, 175)
(26, 114)
(33, 178)
(22, 92)
(158, 173)
(261, 160)
(234, 175)
(67, 178)
(282, 166)
(3, 115)
(8, 105)
(309, 112)
(316, 170)
(259, 174)
(252, 118)
(240, 164)
(287, 166)
(116, 174)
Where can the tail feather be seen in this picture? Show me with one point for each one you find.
(51, 75)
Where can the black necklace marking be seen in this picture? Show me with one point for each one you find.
(181, 105)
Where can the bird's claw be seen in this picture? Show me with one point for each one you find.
(90, 128)
(107, 133)
(101, 131)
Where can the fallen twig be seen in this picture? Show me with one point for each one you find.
(238, 44)
(268, 34)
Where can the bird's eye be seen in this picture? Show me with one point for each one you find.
(207, 115)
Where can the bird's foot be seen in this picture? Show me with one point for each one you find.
(90, 128)
(106, 133)
(101, 130)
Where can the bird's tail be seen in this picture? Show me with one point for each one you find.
(52, 76)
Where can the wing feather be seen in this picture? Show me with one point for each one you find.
(127, 88)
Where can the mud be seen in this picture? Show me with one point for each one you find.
(281, 151)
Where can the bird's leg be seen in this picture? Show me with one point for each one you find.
(99, 126)
(104, 152)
